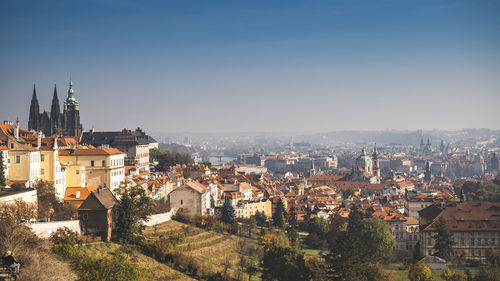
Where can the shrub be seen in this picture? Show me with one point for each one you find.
(64, 235)
(105, 267)
(17, 186)
(183, 216)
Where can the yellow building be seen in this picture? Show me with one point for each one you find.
(246, 209)
(50, 167)
(102, 166)
(23, 158)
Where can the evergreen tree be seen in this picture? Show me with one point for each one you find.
(444, 240)
(2, 170)
(292, 217)
(355, 219)
(280, 214)
(260, 217)
(227, 212)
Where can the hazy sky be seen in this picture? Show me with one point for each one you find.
(268, 66)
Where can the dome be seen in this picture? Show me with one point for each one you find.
(363, 158)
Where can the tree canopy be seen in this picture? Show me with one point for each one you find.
(420, 272)
(134, 207)
(166, 159)
(373, 242)
(281, 261)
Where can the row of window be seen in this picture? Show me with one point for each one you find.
(410, 236)
(117, 173)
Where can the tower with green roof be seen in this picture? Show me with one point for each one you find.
(71, 115)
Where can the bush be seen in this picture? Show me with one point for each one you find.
(64, 235)
(17, 186)
(105, 267)
(183, 216)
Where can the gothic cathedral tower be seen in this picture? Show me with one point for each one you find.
(71, 115)
(55, 115)
(34, 119)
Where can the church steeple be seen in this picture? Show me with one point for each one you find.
(34, 118)
(375, 152)
(55, 114)
(71, 100)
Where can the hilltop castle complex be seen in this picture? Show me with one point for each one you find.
(66, 123)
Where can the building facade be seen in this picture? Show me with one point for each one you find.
(193, 197)
(475, 227)
(135, 143)
(102, 166)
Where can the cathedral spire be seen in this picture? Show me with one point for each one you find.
(34, 118)
(55, 114)
(34, 93)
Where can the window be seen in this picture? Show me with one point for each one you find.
(42, 171)
(104, 163)
(18, 159)
(77, 172)
(181, 202)
(92, 163)
(42, 158)
(11, 145)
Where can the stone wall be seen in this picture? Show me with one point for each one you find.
(159, 218)
(45, 229)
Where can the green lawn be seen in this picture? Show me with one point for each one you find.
(312, 253)
(402, 275)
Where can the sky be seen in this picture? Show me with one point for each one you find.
(256, 66)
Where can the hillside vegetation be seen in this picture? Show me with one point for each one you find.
(196, 251)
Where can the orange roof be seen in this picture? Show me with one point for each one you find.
(245, 185)
(200, 188)
(70, 194)
(90, 151)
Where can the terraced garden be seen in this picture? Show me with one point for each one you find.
(208, 251)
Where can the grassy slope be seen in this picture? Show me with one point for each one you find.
(210, 249)
(159, 271)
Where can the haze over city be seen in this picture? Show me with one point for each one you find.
(259, 66)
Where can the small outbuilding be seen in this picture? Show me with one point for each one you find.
(95, 213)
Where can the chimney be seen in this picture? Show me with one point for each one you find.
(16, 131)
(39, 141)
(55, 146)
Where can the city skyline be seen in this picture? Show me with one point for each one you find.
(256, 67)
